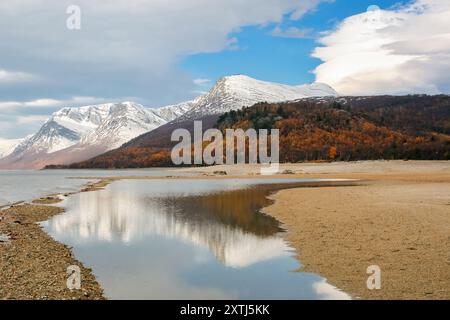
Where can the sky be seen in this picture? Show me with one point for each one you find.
(158, 52)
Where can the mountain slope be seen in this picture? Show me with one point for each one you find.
(172, 112)
(354, 128)
(124, 122)
(76, 134)
(229, 93)
(7, 146)
(235, 92)
(63, 129)
(331, 128)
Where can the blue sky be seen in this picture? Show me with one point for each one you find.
(159, 52)
(286, 60)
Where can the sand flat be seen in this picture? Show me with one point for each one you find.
(399, 220)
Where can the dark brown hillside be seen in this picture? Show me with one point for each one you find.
(413, 114)
(344, 128)
(160, 137)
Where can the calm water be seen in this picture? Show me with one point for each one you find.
(185, 239)
(26, 185)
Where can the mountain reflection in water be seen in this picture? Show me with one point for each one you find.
(216, 216)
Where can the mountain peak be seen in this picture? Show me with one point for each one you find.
(242, 79)
(237, 91)
(7, 146)
(72, 134)
(236, 77)
(239, 79)
(77, 133)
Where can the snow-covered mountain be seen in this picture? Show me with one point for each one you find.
(63, 129)
(124, 122)
(75, 134)
(235, 92)
(7, 146)
(172, 112)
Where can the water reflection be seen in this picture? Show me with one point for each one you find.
(184, 239)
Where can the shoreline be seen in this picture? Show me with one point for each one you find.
(37, 263)
(401, 226)
(32, 264)
(337, 233)
(399, 220)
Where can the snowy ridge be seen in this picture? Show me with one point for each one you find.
(112, 124)
(7, 146)
(77, 134)
(172, 112)
(125, 121)
(71, 134)
(235, 92)
(63, 129)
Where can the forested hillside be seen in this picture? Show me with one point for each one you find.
(332, 129)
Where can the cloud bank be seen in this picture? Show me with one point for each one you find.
(399, 51)
(125, 50)
(11, 77)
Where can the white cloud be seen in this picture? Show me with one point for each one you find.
(11, 77)
(42, 103)
(293, 32)
(21, 118)
(202, 82)
(31, 119)
(49, 103)
(7, 105)
(398, 51)
(145, 33)
(123, 49)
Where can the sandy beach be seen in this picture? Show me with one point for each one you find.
(398, 219)
(32, 264)
(402, 227)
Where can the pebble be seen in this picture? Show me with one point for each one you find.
(4, 238)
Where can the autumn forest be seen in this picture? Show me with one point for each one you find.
(324, 129)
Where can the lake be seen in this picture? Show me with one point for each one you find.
(27, 185)
(186, 239)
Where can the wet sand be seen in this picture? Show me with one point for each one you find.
(404, 228)
(399, 219)
(32, 264)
